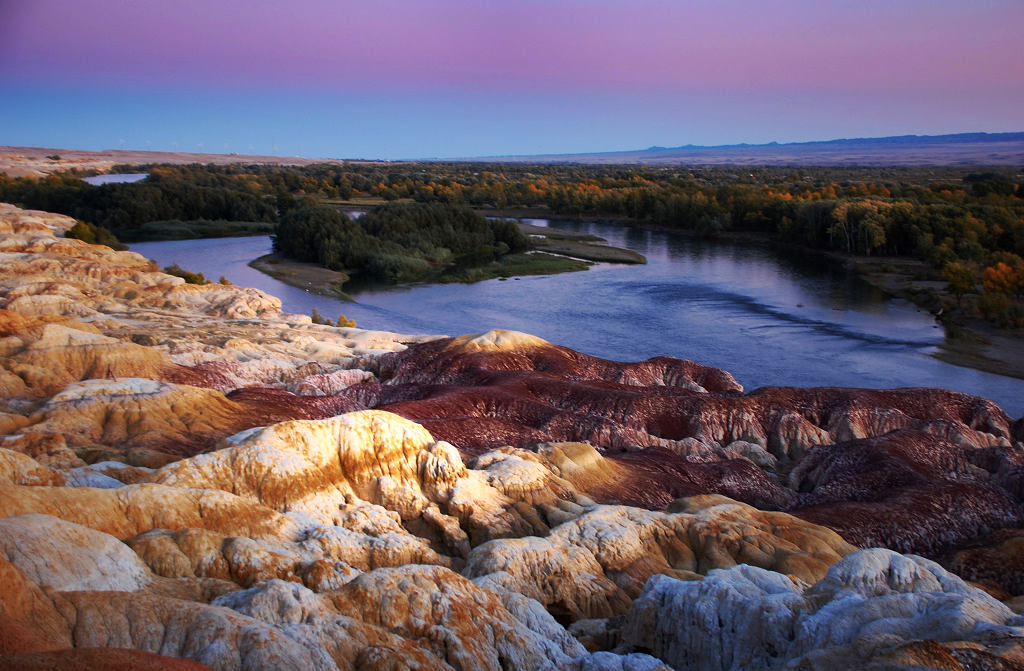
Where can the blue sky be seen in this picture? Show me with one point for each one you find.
(457, 78)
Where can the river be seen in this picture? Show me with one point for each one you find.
(116, 178)
(765, 318)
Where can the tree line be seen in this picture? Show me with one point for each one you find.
(125, 209)
(943, 216)
(396, 242)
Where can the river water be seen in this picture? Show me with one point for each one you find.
(116, 178)
(765, 318)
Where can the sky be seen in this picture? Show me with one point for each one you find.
(399, 79)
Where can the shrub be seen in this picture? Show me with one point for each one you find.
(93, 234)
(188, 276)
(1002, 310)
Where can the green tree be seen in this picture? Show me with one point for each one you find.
(87, 232)
(187, 275)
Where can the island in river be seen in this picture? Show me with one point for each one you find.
(555, 251)
(416, 243)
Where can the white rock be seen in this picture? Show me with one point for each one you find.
(277, 602)
(70, 557)
(87, 477)
(870, 603)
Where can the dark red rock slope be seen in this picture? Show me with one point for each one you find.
(916, 470)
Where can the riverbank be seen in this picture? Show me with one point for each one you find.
(579, 245)
(970, 342)
(307, 276)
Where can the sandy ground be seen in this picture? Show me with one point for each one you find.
(307, 276)
(981, 346)
(35, 161)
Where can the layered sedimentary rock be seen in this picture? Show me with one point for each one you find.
(908, 490)
(916, 470)
(190, 478)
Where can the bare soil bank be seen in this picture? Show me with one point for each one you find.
(307, 276)
(970, 342)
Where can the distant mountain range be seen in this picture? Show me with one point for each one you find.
(956, 149)
(961, 149)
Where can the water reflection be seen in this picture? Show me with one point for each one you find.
(638, 239)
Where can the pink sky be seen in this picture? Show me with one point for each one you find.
(870, 55)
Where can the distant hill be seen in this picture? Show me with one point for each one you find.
(958, 149)
(961, 149)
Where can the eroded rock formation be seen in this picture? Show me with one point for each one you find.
(190, 478)
(874, 609)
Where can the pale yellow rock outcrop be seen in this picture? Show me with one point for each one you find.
(495, 341)
(367, 460)
(134, 509)
(133, 411)
(311, 465)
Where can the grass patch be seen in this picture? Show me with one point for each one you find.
(591, 251)
(157, 231)
(367, 202)
(513, 265)
(557, 233)
(578, 245)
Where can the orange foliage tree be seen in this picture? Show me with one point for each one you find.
(1003, 279)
